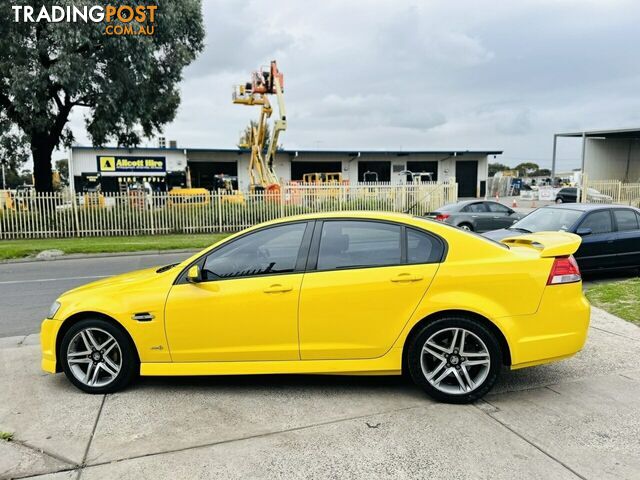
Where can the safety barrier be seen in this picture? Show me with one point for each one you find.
(619, 192)
(137, 213)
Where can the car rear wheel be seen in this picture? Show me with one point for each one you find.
(98, 357)
(455, 360)
(466, 226)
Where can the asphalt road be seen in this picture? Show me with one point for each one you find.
(28, 289)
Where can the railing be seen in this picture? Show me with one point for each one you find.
(137, 213)
(619, 192)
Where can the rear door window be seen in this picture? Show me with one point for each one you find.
(353, 243)
(626, 220)
(497, 208)
(478, 207)
(598, 222)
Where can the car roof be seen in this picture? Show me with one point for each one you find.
(367, 215)
(587, 207)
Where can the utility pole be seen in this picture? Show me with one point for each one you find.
(4, 177)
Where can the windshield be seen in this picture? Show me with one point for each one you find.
(548, 219)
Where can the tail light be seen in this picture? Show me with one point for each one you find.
(441, 217)
(564, 270)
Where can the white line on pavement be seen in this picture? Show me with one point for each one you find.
(53, 279)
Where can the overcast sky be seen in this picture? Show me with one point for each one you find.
(419, 75)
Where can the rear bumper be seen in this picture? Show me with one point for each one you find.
(556, 331)
(48, 333)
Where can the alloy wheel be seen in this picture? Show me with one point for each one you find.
(94, 357)
(455, 361)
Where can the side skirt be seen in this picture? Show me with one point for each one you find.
(389, 364)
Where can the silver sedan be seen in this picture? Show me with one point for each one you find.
(476, 215)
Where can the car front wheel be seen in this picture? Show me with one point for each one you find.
(455, 360)
(559, 200)
(98, 357)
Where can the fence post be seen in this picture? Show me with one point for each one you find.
(618, 199)
(219, 204)
(282, 197)
(74, 206)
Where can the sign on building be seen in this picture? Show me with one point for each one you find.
(121, 163)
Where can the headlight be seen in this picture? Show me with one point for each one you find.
(54, 309)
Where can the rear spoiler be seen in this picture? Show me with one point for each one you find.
(548, 244)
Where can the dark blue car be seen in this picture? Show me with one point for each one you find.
(610, 233)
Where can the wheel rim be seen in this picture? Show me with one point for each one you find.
(455, 361)
(465, 227)
(94, 357)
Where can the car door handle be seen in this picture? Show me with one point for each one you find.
(406, 277)
(277, 288)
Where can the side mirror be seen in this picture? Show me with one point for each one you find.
(194, 275)
(583, 232)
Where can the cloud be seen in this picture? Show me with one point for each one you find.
(420, 75)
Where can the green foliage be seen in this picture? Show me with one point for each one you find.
(6, 436)
(128, 84)
(527, 168)
(497, 167)
(619, 298)
(543, 172)
(24, 248)
(62, 166)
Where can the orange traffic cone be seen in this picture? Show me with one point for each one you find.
(514, 204)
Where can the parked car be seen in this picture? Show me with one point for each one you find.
(610, 233)
(570, 195)
(476, 215)
(341, 293)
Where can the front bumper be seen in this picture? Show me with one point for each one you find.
(48, 334)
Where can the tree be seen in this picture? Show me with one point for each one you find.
(246, 136)
(128, 84)
(497, 167)
(543, 172)
(526, 168)
(62, 166)
(13, 153)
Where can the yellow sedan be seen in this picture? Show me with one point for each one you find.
(356, 293)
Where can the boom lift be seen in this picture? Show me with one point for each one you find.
(263, 83)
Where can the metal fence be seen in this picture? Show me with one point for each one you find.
(137, 213)
(621, 193)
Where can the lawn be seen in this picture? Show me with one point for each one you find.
(24, 248)
(620, 298)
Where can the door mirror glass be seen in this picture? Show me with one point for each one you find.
(193, 274)
(583, 232)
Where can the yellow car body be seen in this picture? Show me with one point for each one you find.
(345, 321)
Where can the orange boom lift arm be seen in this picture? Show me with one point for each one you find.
(264, 82)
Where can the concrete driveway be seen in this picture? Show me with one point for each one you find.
(574, 419)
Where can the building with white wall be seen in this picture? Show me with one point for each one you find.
(165, 168)
(607, 154)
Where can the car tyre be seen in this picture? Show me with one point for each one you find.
(466, 226)
(464, 376)
(559, 200)
(98, 357)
